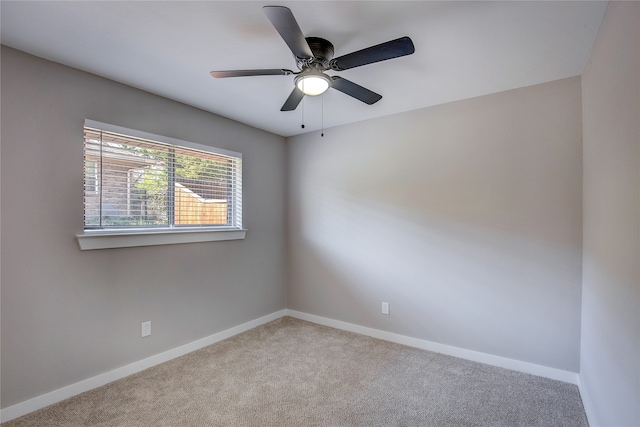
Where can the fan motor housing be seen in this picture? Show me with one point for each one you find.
(322, 50)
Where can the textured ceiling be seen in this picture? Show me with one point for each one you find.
(463, 50)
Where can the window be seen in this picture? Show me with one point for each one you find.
(90, 177)
(137, 183)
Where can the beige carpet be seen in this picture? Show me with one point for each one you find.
(294, 373)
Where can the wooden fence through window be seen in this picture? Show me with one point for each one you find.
(192, 209)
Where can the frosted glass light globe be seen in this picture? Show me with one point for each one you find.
(313, 84)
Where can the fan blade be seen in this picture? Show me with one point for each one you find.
(249, 73)
(358, 92)
(381, 52)
(293, 100)
(283, 20)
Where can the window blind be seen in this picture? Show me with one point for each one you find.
(135, 182)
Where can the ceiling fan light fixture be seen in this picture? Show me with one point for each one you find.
(314, 55)
(313, 84)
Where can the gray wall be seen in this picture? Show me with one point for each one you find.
(466, 217)
(69, 315)
(610, 351)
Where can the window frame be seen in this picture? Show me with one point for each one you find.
(105, 238)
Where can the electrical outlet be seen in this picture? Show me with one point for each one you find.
(385, 308)
(146, 329)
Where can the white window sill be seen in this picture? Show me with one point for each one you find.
(107, 239)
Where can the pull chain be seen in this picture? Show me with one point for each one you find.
(302, 125)
(322, 119)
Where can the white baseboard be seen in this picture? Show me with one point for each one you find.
(587, 403)
(489, 359)
(23, 408)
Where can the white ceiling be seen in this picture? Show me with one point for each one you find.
(463, 50)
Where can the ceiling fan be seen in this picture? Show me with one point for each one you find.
(314, 56)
